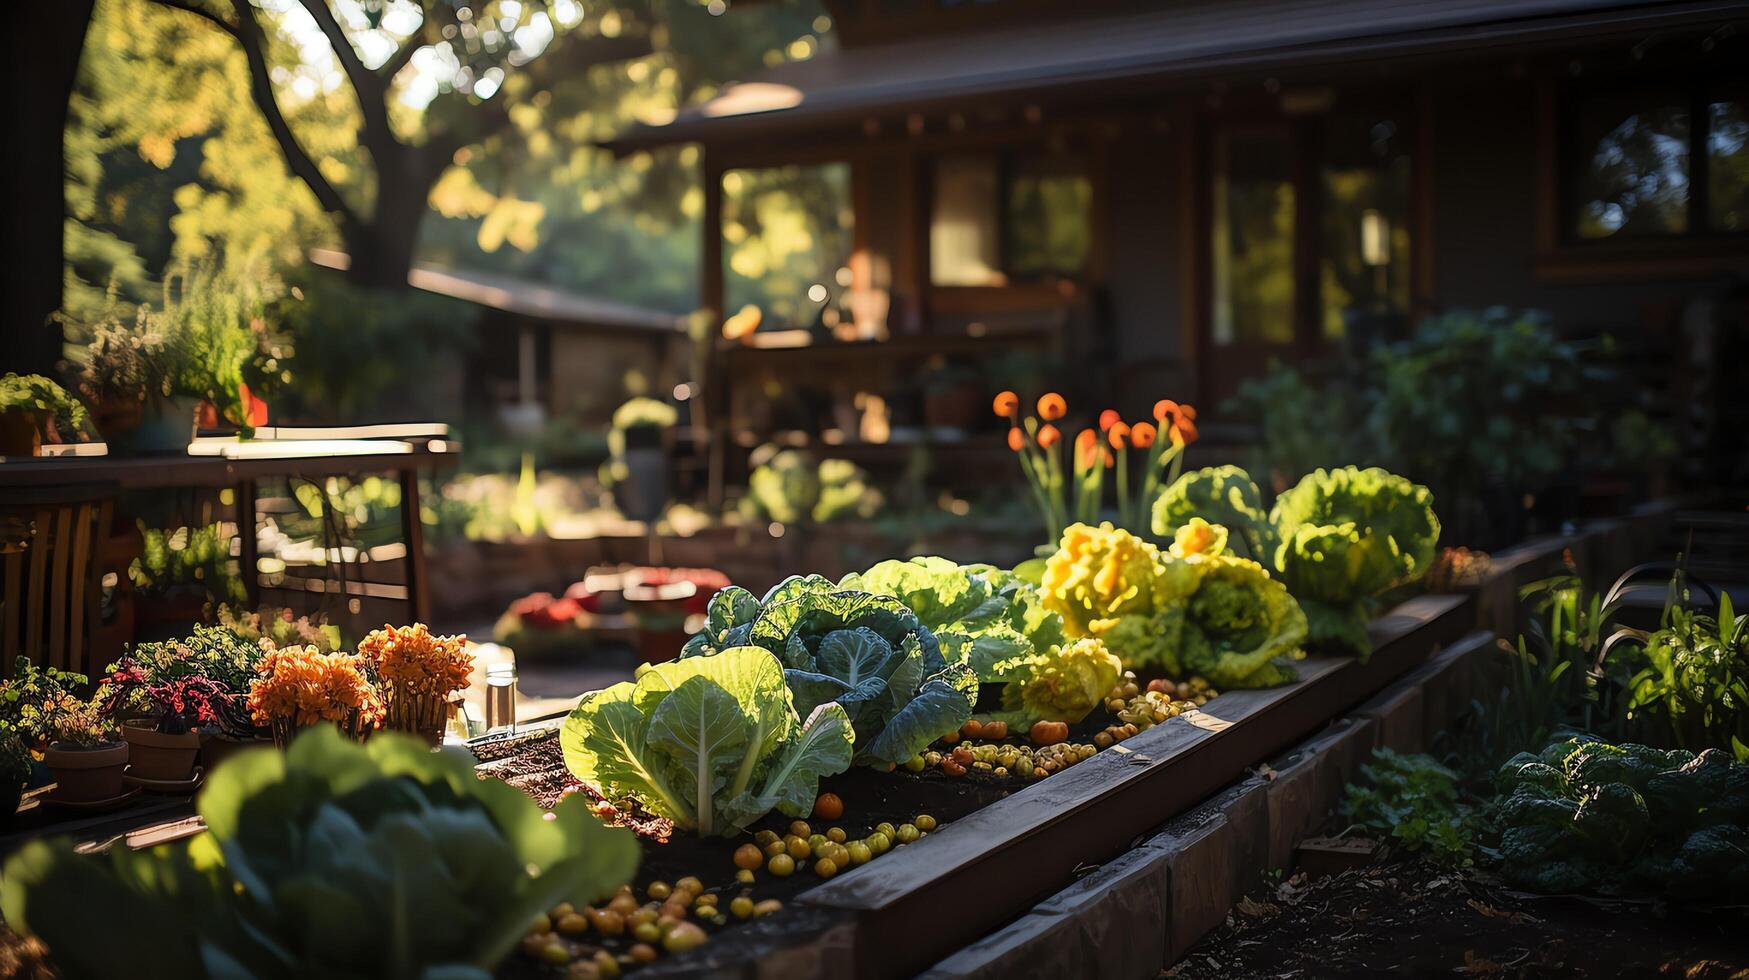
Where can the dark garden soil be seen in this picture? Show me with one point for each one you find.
(1410, 919)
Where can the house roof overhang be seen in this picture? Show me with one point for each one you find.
(1120, 52)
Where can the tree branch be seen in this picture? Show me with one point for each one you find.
(250, 37)
(421, 37)
(368, 86)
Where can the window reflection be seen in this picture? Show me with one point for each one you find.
(786, 241)
(1253, 238)
(1634, 167)
(1007, 218)
(1364, 264)
(1727, 166)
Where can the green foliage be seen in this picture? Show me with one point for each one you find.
(869, 653)
(28, 691)
(1413, 801)
(63, 417)
(995, 623)
(280, 627)
(711, 743)
(790, 488)
(1585, 814)
(331, 859)
(1417, 408)
(1194, 611)
(1338, 539)
(365, 353)
(184, 559)
(1693, 677)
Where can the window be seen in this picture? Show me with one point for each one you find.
(1309, 237)
(787, 243)
(1656, 164)
(1002, 218)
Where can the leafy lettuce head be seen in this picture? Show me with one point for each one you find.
(981, 615)
(1100, 573)
(1346, 536)
(712, 743)
(1224, 495)
(1238, 623)
(1062, 684)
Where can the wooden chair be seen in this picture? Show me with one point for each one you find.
(51, 588)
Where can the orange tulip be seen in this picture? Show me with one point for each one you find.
(1188, 411)
(1007, 404)
(1086, 449)
(1184, 431)
(1108, 418)
(1110, 460)
(1117, 434)
(1165, 407)
(1051, 406)
(1142, 435)
(1016, 440)
(1048, 436)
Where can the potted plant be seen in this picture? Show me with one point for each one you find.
(297, 687)
(204, 677)
(35, 410)
(419, 672)
(146, 377)
(639, 465)
(87, 759)
(164, 734)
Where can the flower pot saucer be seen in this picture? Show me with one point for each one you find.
(188, 785)
(49, 799)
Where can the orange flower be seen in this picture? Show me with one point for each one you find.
(1163, 408)
(1110, 460)
(1007, 404)
(1016, 440)
(1142, 435)
(1116, 434)
(1108, 418)
(1188, 411)
(1184, 431)
(411, 661)
(1048, 436)
(1051, 406)
(307, 687)
(1086, 449)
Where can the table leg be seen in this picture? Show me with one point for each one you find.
(247, 543)
(413, 534)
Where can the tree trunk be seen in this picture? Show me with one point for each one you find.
(44, 43)
(382, 248)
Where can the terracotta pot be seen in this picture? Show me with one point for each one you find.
(216, 748)
(87, 775)
(21, 431)
(159, 756)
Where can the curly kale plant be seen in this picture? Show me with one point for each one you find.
(1337, 539)
(1587, 814)
(331, 859)
(868, 653)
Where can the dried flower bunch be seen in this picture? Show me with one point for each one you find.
(305, 687)
(411, 661)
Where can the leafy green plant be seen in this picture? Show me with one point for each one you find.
(63, 417)
(711, 743)
(997, 624)
(1412, 800)
(1193, 611)
(1693, 677)
(1586, 813)
(28, 697)
(162, 671)
(1338, 539)
(186, 559)
(330, 859)
(868, 653)
(790, 487)
(278, 626)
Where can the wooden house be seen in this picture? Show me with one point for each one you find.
(1158, 198)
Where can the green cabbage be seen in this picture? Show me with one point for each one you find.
(1338, 539)
(983, 616)
(330, 859)
(868, 653)
(1346, 536)
(710, 742)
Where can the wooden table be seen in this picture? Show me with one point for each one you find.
(227, 462)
